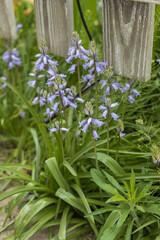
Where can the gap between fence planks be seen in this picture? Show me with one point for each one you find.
(128, 29)
(7, 20)
(54, 22)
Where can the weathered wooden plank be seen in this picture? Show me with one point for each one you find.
(7, 20)
(128, 29)
(54, 22)
(146, 1)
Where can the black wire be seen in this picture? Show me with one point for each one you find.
(83, 20)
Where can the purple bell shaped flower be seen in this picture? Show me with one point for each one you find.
(4, 85)
(19, 26)
(107, 106)
(12, 58)
(43, 59)
(22, 114)
(72, 68)
(58, 128)
(131, 99)
(76, 51)
(91, 121)
(32, 83)
(158, 60)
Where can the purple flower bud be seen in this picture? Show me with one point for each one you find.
(85, 127)
(104, 114)
(82, 122)
(35, 100)
(22, 114)
(53, 130)
(32, 74)
(55, 107)
(131, 99)
(64, 129)
(69, 59)
(19, 26)
(32, 83)
(114, 105)
(158, 60)
(97, 122)
(135, 92)
(72, 68)
(95, 135)
(114, 116)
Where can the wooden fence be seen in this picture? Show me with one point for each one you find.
(128, 29)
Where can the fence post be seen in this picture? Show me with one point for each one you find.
(54, 23)
(7, 20)
(128, 29)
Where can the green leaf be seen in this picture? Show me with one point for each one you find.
(144, 191)
(38, 151)
(129, 230)
(34, 114)
(145, 225)
(123, 218)
(99, 179)
(140, 208)
(12, 204)
(26, 216)
(56, 173)
(108, 161)
(48, 214)
(84, 150)
(111, 232)
(109, 208)
(111, 220)
(63, 224)
(19, 189)
(132, 181)
(70, 168)
(117, 198)
(70, 199)
(84, 200)
(113, 181)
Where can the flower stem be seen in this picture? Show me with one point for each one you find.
(118, 148)
(60, 136)
(79, 78)
(108, 131)
(95, 153)
(66, 120)
(95, 149)
(96, 84)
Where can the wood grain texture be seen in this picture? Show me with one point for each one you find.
(128, 29)
(7, 20)
(146, 1)
(54, 22)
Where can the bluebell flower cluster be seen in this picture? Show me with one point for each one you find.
(90, 121)
(93, 65)
(12, 57)
(106, 108)
(44, 61)
(76, 51)
(132, 92)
